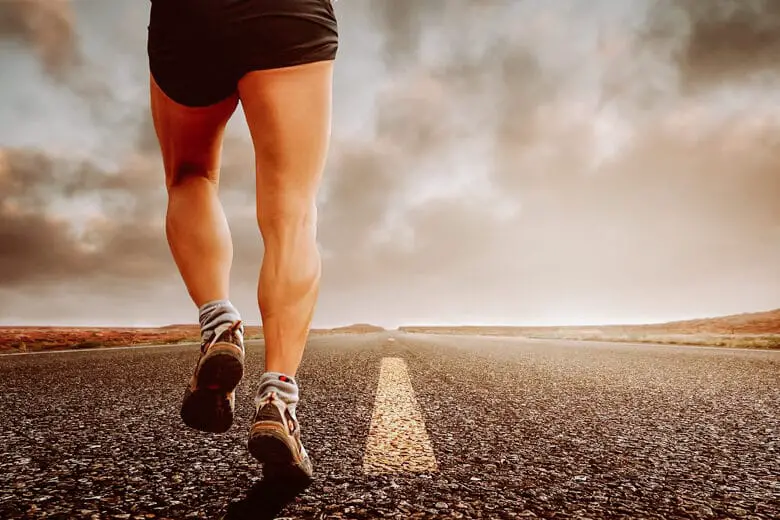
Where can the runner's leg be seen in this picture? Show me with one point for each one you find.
(288, 111)
(196, 228)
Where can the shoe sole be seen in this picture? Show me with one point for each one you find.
(270, 444)
(207, 411)
(221, 369)
(207, 408)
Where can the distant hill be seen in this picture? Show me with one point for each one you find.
(36, 338)
(767, 322)
(360, 328)
(357, 327)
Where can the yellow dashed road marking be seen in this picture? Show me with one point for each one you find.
(397, 440)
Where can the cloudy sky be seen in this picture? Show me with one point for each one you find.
(493, 162)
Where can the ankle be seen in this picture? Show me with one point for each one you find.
(285, 386)
(214, 313)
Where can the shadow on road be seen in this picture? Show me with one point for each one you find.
(266, 498)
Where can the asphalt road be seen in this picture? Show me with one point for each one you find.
(519, 428)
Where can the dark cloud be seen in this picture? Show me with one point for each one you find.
(401, 23)
(123, 236)
(48, 27)
(721, 41)
(358, 197)
(35, 248)
(425, 109)
(39, 246)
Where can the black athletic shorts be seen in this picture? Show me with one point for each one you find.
(199, 49)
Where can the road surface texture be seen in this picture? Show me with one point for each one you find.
(489, 428)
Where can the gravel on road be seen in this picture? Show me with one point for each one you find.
(519, 428)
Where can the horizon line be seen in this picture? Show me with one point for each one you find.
(398, 327)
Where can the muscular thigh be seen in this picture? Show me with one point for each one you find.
(286, 52)
(288, 112)
(190, 137)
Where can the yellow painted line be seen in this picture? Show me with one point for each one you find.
(397, 439)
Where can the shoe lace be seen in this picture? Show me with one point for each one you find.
(234, 332)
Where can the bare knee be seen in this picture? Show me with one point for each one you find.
(185, 172)
(282, 217)
(292, 262)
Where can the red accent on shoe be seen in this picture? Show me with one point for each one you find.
(284, 378)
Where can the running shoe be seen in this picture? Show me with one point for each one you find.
(209, 401)
(275, 440)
